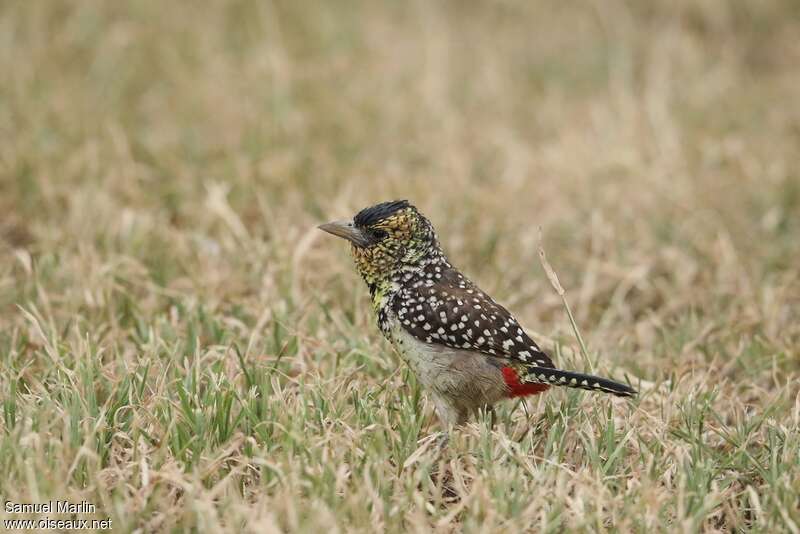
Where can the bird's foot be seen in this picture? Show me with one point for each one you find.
(442, 441)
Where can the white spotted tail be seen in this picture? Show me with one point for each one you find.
(559, 377)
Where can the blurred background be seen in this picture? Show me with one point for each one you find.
(194, 146)
(163, 167)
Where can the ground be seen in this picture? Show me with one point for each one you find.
(183, 349)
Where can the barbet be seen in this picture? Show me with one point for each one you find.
(467, 350)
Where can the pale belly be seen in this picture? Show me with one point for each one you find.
(461, 380)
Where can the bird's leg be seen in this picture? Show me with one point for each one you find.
(441, 473)
(442, 441)
(492, 416)
(450, 414)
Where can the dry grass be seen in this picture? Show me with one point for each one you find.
(163, 167)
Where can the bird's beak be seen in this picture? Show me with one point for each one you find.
(347, 230)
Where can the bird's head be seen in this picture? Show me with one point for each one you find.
(387, 239)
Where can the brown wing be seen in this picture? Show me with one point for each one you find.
(448, 309)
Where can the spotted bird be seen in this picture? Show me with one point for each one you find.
(467, 350)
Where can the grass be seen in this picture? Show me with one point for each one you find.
(183, 349)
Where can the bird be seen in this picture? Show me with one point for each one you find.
(467, 351)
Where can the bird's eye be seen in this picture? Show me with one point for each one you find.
(378, 233)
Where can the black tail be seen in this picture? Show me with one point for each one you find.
(558, 377)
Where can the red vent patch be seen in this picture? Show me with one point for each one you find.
(516, 389)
